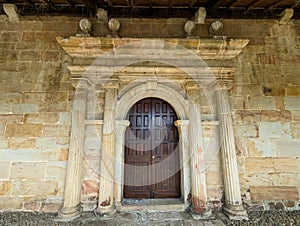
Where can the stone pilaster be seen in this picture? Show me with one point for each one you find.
(121, 126)
(183, 128)
(198, 180)
(233, 207)
(72, 197)
(107, 170)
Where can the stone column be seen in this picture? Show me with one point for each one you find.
(198, 180)
(106, 186)
(183, 128)
(121, 126)
(72, 197)
(233, 207)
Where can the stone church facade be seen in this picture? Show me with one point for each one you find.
(65, 101)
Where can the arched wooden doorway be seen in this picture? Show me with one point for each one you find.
(152, 165)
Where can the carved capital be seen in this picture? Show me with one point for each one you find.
(221, 84)
(112, 84)
(191, 85)
(80, 83)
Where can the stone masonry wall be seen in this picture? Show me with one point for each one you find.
(36, 97)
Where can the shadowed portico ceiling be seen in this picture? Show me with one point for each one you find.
(236, 9)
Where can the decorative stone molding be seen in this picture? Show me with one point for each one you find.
(94, 47)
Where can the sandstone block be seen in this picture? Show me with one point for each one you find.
(246, 131)
(276, 116)
(29, 56)
(28, 37)
(247, 116)
(91, 168)
(295, 115)
(56, 130)
(295, 129)
(51, 143)
(24, 108)
(10, 36)
(261, 103)
(265, 58)
(11, 97)
(28, 170)
(64, 117)
(274, 130)
(274, 193)
(245, 90)
(30, 155)
(5, 108)
(20, 142)
(214, 178)
(35, 188)
(5, 187)
(259, 165)
(273, 90)
(11, 118)
(32, 206)
(286, 165)
(41, 118)
(8, 202)
(288, 147)
(23, 130)
(51, 207)
(4, 169)
(261, 148)
(288, 179)
(56, 170)
(279, 103)
(293, 91)
(9, 55)
(292, 103)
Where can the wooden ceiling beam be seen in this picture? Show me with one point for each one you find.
(71, 4)
(191, 5)
(274, 4)
(296, 4)
(49, 3)
(252, 5)
(213, 5)
(91, 6)
(231, 3)
(109, 3)
(150, 4)
(171, 3)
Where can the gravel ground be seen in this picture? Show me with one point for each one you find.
(269, 218)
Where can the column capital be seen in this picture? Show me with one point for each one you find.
(191, 85)
(81, 83)
(111, 84)
(223, 84)
(180, 123)
(122, 123)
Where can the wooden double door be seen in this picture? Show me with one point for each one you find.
(152, 166)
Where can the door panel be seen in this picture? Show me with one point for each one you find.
(151, 156)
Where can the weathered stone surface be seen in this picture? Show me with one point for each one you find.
(295, 115)
(4, 169)
(259, 165)
(56, 170)
(286, 165)
(276, 116)
(55, 130)
(261, 148)
(293, 91)
(261, 103)
(246, 131)
(10, 202)
(292, 103)
(295, 130)
(90, 187)
(247, 116)
(28, 170)
(5, 188)
(274, 130)
(31, 155)
(21, 143)
(24, 108)
(12, 97)
(51, 207)
(288, 147)
(273, 90)
(35, 188)
(23, 130)
(52, 143)
(41, 118)
(274, 193)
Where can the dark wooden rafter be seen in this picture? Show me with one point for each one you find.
(213, 5)
(252, 5)
(231, 3)
(109, 3)
(191, 5)
(171, 3)
(49, 3)
(295, 4)
(71, 4)
(150, 4)
(274, 4)
(91, 6)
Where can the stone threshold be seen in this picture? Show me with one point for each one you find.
(152, 205)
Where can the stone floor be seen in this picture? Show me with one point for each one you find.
(278, 218)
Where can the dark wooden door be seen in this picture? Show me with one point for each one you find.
(152, 168)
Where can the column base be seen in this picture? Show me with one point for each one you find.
(107, 210)
(69, 213)
(205, 214)
(235, 212)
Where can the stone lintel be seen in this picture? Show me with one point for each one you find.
(204, 48)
